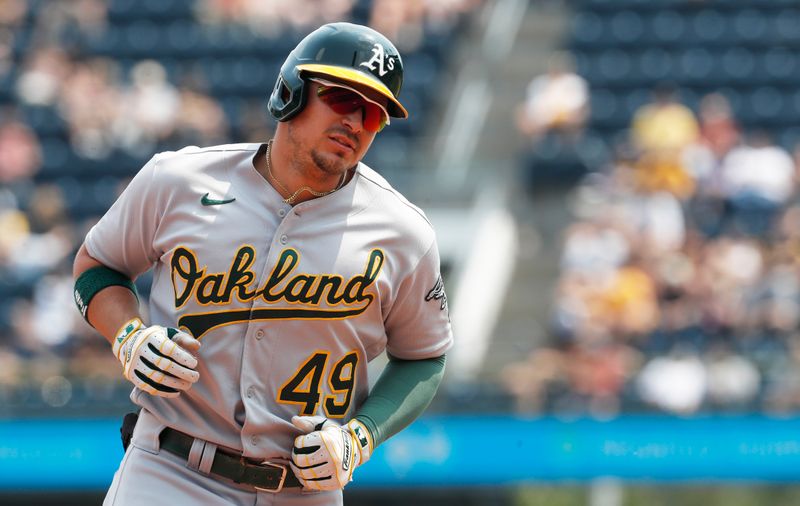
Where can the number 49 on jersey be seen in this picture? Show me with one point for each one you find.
(304, 387)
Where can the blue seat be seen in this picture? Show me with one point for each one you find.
(615, 65)
(587, 30)
(738, 64)
(121, 11)
(605, 109)
(44, 120)
(667, 27)
(633, 100)
(764, 106)
(697, 66)
(709, 27)
(126, 11)
(420, 70)
(750, 26)
(789, 138)
(785, 26)
(55, 155)
(779, 65)
(182, 39)
(626, 27)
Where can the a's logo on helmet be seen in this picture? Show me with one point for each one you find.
(378, 58)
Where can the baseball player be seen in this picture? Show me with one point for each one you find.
(279, 271)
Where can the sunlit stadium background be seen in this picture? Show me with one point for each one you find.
(614, 186)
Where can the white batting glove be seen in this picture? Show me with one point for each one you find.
(325, 456)
(155, 358)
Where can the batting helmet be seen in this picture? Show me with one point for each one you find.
(343, 52)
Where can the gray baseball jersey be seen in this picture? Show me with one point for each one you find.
(290, 303)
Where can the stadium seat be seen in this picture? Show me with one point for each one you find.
(626, 27)
(697, 66)
(615, 66)
(56, 154)
(587, 30)
(709, 27)
(768, 105)
(785, 25)
(141, 39)
(182, 39)
(667, 27)
(780, 65)
(44, 120)
(738, 64)
(750, 26)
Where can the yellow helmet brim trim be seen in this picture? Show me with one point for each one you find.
(354, 76)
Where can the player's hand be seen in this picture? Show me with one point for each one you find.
(155, 358)
(326, 454)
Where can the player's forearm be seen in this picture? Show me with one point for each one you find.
(109, 308)
(401, 394)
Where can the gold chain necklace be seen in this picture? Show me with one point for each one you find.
(290, 200)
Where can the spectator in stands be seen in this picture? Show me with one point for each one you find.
(584, 376)
(42, 76)
(660, 131)
(274, 16)
(551, 122)
(7, 42)
(67, 22)
(664, 124)
(13, 13)
(733, 380)
(409, 23)
(676, 382)
(719, 134)
(556, 102)
(199, 119)
(20, 160)
(90, 103)
(756, 180)
(20, 153)
(149, 108)
(719, 131)
(12, 16)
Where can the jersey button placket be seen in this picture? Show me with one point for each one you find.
(259, 334)
(251, 392)
(284, 239)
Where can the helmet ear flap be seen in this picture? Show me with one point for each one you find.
(288, 97)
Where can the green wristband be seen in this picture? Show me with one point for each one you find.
(93, 280)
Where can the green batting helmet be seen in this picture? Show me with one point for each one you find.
(342, 52)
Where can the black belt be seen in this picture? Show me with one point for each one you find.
(264, 476)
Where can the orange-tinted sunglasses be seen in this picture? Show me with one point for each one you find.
(345, 100)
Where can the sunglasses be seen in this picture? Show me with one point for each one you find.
(343, 100)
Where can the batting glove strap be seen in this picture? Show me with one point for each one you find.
(124, 333)
(363, 439)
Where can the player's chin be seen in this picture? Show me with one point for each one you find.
(334, 162)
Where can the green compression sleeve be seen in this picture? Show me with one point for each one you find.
(403, 391)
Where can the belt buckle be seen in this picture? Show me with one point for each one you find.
(280, 483)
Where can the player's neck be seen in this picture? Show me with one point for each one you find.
(294, 182)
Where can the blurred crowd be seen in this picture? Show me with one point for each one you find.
(679, 286)
(64, 108)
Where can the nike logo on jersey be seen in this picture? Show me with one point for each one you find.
(302, 294)
(214, 202)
